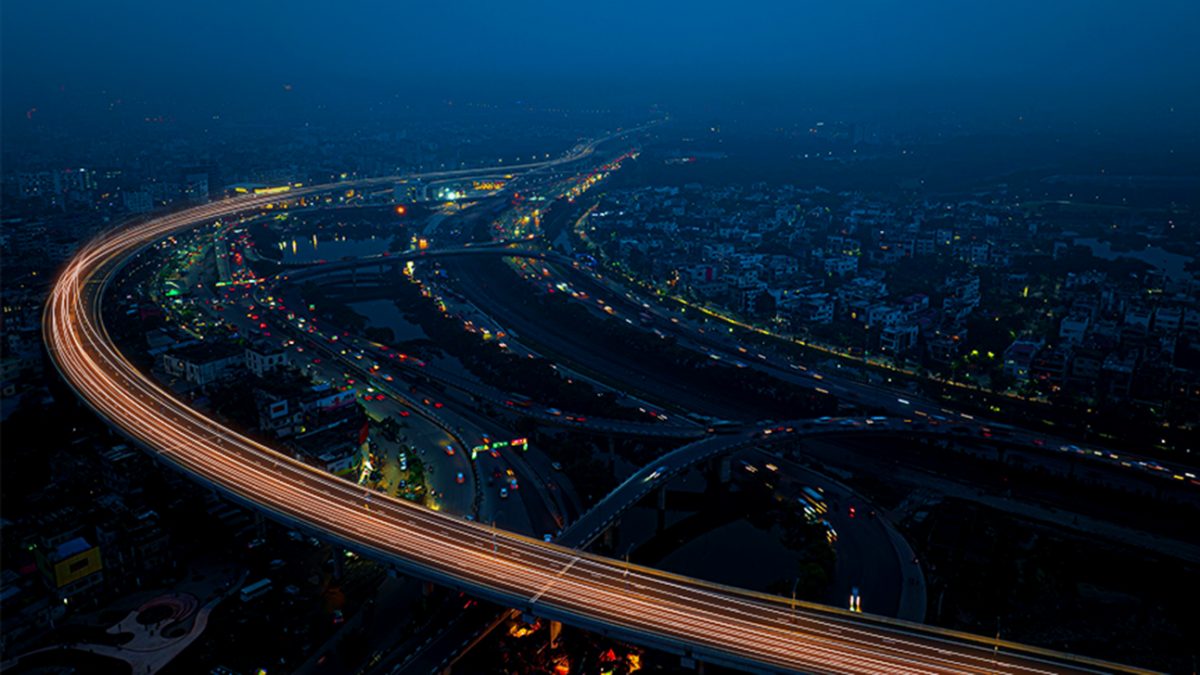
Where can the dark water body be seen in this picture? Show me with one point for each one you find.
(1172, 264)
(315, 248)
(385, 314)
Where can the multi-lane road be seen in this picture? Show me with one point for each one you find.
(692, 331)
(707, 621)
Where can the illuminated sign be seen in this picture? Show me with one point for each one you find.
(522, 443)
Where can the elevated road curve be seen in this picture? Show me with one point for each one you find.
(709, 622)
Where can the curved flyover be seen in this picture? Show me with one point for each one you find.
(707, 621)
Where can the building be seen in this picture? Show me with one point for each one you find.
(748, 294)
(136, 546)
(336, 450)
(1019, 357)
(195, 187)
(290, 407)
(263, 357)
(1117, 373)
(121, 469)
(1049, 368)
(806, 308)
(899, 338)
(71, 568)
(1138, 319)
(137, 202)
(1087, 364)
(840, 265)
(204, 364)
(881, 315)
(914, 304)
(1168, 319)
(1074, 327)
(962, 296)
(69, 564)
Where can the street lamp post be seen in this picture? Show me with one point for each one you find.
(794, 585)
(626, 556)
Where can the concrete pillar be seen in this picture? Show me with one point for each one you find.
(661, 507)
(339, 567)
(726, 471)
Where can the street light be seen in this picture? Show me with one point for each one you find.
(794, 585)
(626, 556)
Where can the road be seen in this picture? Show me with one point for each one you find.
(286, 285)
(719, 344)
(567, 344)
(709, 622)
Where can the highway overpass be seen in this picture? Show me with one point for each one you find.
(321, 269)
(702, 620)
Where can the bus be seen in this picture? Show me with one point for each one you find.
(256, 589)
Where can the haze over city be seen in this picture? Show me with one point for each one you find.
(565, 338)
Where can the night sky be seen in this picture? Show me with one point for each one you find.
(1094, 57)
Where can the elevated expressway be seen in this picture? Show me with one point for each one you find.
(706, 621)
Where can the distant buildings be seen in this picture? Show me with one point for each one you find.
(971, 288)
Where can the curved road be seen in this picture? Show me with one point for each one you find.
(707, 621)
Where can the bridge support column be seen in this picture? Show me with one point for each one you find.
(555, 631)
(661, 505)
(609, 538)
(725, 472)
(339, 567)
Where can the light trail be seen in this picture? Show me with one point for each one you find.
(708, 621)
